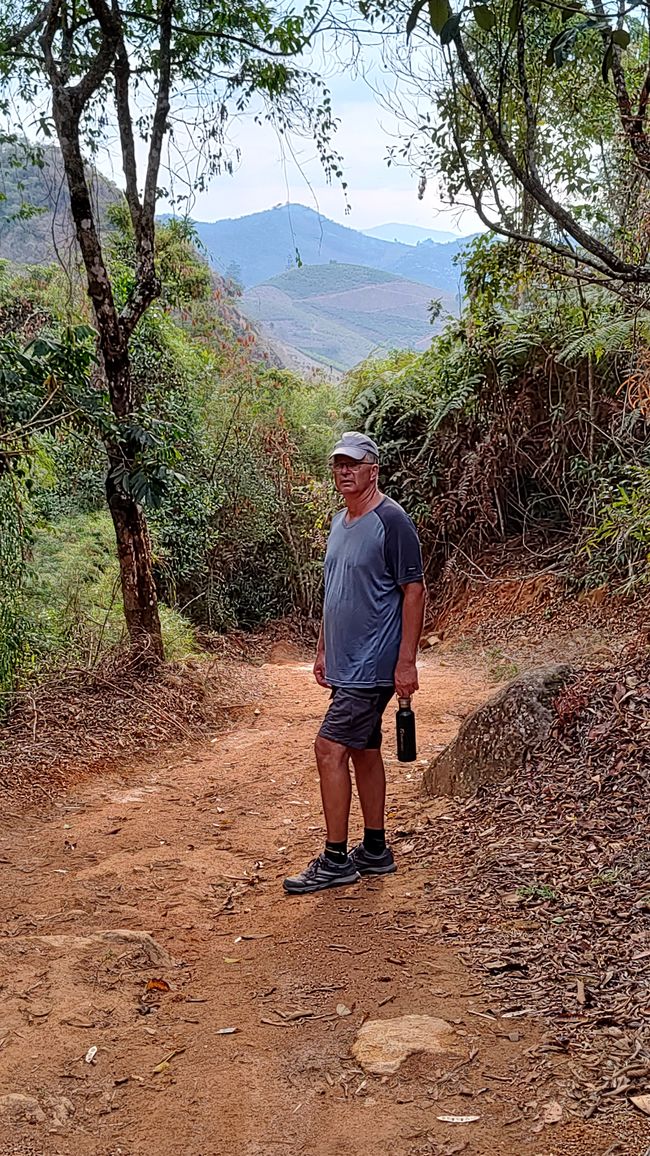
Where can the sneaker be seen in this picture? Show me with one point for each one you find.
(367, 864)
(321, 873)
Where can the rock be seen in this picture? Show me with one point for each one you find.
(61, 1108)
(119, 938)
(493, 741)
(17, 1106)
(382, 1045)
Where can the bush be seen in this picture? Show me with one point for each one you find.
(73, 597)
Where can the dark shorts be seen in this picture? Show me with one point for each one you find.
(354, 717)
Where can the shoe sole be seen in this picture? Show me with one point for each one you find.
(322, 886)
(378, 870)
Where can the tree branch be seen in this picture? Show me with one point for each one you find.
(22, 34)
(227, 37)
(122, 72)
(562, 251)
(147, 285)
(532, 184)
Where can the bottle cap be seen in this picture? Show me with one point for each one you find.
(404, 702)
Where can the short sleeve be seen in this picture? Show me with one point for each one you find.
(401, 544)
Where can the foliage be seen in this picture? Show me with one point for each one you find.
(240, 537)
(539, 115)
(12, 578)
(72, 600)
(517, 424)
(618, 545)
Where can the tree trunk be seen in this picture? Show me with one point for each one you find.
(131, 532)
(136, 573)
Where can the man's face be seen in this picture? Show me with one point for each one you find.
(352, 477)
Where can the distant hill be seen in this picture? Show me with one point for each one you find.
(262, 245)
(338, 314)
(35, 222)
(409, 234)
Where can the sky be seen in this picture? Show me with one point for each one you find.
(270, 173)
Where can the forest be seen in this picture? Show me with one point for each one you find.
(165, 503)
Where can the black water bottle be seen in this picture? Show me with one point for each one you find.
(405, 725)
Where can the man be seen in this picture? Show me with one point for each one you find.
(372, 621)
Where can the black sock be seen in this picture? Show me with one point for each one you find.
(337, 852)
(374, 840)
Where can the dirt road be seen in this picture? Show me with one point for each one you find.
(193, 853)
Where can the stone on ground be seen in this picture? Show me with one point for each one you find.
(382, 1045)
(493, 742)
(119, 937)
(17, 1106)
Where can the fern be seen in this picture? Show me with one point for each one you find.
(613, 336)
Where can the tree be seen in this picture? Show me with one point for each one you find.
(159, 74)
(541, 116)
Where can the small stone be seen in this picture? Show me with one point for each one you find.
(62, 1109)
(20, 1107)
(382, 1046)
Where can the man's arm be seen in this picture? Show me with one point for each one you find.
(319, 665)
(406, 674)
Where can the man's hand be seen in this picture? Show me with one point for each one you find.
(319, 669)
(406, 679)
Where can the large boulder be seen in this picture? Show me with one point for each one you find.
(492, 743)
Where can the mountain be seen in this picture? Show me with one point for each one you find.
(409, 234)
(338, 314)
(260, 246)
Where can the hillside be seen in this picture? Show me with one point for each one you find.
(263, 245)
(339, 314)
(35, 225)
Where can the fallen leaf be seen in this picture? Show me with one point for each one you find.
(343, 1010)
(157, 985)
(552, 1112)
(642, 1103)
(458, 1119)
(164, 1064)
(230, 959)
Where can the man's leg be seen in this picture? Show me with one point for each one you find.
(334, 866)
(373, 857)
(335, 787)
(371, 785)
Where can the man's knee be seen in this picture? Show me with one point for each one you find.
(320, 747)
(328, 752)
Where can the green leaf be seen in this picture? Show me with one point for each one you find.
(439, 14)
(450, 28)
(607, 63)
(484, 17)
(413, 16)
(621, 38)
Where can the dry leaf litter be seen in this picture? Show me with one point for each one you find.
(544, 882)
(81, 720)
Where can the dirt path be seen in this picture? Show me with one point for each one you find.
(193, 853)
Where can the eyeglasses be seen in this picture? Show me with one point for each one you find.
(338, 467)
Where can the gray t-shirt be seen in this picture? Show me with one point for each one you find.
(366, 564)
